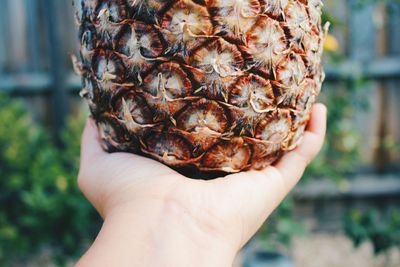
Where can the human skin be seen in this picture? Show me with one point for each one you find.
(153, 216)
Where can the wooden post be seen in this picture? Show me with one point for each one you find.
(3, 44)
(362, 48)
(393, 88)
(381, 155)
(31, 7)
(58, 69)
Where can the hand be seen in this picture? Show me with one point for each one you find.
(156, 217)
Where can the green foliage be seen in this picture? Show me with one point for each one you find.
(382, 230)
(340, 154)
(41, 204)
(281, 227)
(336, 161)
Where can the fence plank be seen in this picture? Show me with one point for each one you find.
(393, 89)
(57, 67)
(17, 56)
(70, 29)
(33, 34)
(337, 8)
(362, 32)
(362, 48)
(394, 29)
(3, 40)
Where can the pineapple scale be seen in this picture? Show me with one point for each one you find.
(208, 86)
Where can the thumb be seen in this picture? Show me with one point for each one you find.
(90, 144)
(91, 151)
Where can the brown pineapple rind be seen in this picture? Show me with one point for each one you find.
(209, 85)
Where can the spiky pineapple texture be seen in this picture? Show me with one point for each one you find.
(218, 85)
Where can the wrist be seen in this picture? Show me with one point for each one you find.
(157, 233)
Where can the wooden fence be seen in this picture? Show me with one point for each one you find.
(37, 36)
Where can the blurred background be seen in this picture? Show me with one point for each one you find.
(344, 213)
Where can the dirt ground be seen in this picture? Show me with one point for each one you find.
(336, 250)
(324, 250)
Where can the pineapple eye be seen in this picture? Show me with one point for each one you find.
(314, 50)
(113, 134)
(229, 156)
(315, 11)
(108, 67)
(186, 25)
(113, 11)
(276, 129)
(88, 39)
(88, 88)
(169, 77)
(291, 71)
(195, 17)
(307, 96)
(296, 19)
(147, 9)
(203, 114)
(114, 14)
(218, 65)
(84, 9)
(253, 90)
(107, 131)
(266, 43)
(274, 8)
(133, 106)
(168, 147)
(234, 17)
(128, 42)
(105, 67)
(139, 39)
(218, 57)
(238, 94)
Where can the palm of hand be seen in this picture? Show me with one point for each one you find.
(233, 207)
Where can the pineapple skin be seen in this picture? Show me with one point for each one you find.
(205, 85)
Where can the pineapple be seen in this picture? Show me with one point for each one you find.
(206, 85)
